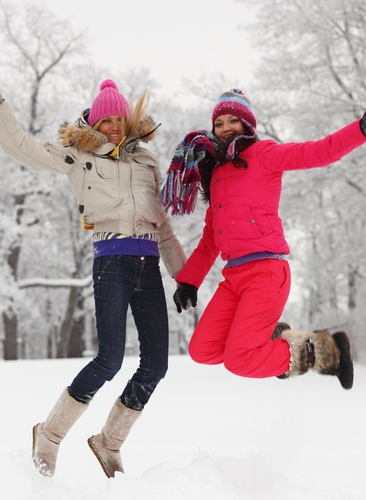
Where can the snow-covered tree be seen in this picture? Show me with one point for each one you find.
(310, 80)
(38, 78)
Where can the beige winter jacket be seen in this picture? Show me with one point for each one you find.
(117, 195)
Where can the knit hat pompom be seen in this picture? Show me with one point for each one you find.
(108, 102)
(235, 103)
(108, 83)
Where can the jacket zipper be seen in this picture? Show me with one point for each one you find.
(132, 228)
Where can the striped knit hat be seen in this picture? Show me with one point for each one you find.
(235, 103)
(108, 102)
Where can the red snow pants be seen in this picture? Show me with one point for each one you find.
(237, 324)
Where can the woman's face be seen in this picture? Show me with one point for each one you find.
(111, 127)
(227, 125)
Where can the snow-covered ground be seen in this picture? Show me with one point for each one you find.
(205, 435)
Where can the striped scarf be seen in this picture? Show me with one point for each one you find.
(179, 190)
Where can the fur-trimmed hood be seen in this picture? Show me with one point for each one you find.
(90, 140)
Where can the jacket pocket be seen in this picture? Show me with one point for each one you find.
(106, 170)
(253, 221)
(150, 169)
(100, 192)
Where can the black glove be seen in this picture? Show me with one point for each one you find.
(363, 124)
(185, 296)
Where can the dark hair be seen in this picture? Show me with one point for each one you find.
(219, 158)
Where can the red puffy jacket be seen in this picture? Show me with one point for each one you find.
(243, 214)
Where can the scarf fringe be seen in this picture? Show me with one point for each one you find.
(181, 196)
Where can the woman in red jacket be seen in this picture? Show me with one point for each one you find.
(241, 177)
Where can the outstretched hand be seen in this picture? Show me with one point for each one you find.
(185, 296)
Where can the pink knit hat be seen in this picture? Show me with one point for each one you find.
(108, 102)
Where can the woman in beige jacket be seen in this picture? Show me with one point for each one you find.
(116, 183)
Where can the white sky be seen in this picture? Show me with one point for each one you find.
(174, 39)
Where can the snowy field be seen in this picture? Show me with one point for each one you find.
(205, 435)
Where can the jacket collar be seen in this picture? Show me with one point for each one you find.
(89, 140)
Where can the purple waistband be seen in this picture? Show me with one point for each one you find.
(125, 246)
(255, 256)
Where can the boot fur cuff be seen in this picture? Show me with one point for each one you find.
(327, 352)
(299, 362)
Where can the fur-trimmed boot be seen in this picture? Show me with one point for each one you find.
(107, 444)
(322, 352)
(48, 435)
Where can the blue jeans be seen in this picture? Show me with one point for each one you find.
(120, 281)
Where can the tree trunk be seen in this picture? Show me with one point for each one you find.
(76, 345)
(10, 317)
(67, 325)
(352, 289)
(11, 327)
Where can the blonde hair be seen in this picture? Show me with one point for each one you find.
(137, 112)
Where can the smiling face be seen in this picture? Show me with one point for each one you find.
(227, 125)
(111, 126)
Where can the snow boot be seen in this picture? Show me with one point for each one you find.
(107, 444)
(48, 435)
(322, 352)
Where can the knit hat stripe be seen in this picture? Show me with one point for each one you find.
(242, 102)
